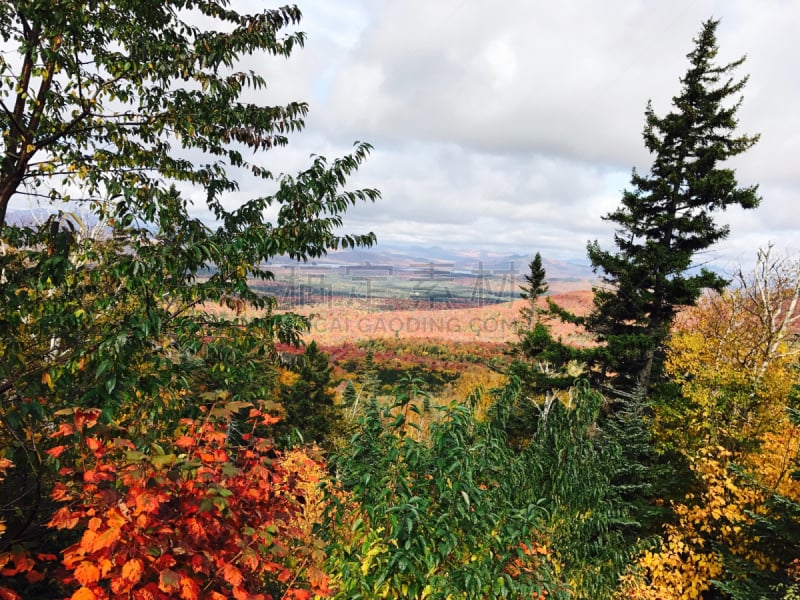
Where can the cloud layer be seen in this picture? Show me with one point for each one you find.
(514, 126)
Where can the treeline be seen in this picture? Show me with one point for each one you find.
(153, 448)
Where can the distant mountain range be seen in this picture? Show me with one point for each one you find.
(411, 257)
(468, 262)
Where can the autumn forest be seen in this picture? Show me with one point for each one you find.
(172, 426)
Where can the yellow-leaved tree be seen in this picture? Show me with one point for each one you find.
(733, 361)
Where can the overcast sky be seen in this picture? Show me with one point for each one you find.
(514, 126)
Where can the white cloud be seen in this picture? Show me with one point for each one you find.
(516, 125)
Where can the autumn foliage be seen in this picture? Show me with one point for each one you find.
(208, 520)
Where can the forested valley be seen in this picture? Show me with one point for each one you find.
(170, 430)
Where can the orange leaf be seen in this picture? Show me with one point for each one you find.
(64, 429)
(270, 420)
(105, 567)
(185, 441)
(87, 573)
(83, 593)
(232, 575)
(60, 492)
(132, 570)
(56, 451)
(105, 539)
(94, 444)
(115, 519)
(318, 579)
(189, 589)
(63, 518)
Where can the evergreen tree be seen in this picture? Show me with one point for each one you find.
(667, 218)
(370, 380)
(535, 288)
(309, 401)
(349, 395)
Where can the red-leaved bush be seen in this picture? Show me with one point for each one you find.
(211, 520)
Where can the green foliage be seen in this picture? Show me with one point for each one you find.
(114, 311)
(644, 477)
(448, 516)
(370, 380)
(542, 365)
(667, 219)
(349, 394)
(570, 466)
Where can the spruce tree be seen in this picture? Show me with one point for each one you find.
(370, 380)
(666, 219)
(535, 287)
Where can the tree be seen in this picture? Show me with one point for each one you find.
(128, 110)
(308, 401)
(667, 218)
(107, 100)
(535, 288)
(733, 357)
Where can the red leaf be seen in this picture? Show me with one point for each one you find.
(7, 594)
(147, 593)
(94, 444)
(34, 576)
(86, 418)
(56, 451)
(44, 557)
(96, 476)
(147, 503)
(63, 518)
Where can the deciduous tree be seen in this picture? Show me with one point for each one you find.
(130, 110)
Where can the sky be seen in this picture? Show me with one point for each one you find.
(514, 126)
